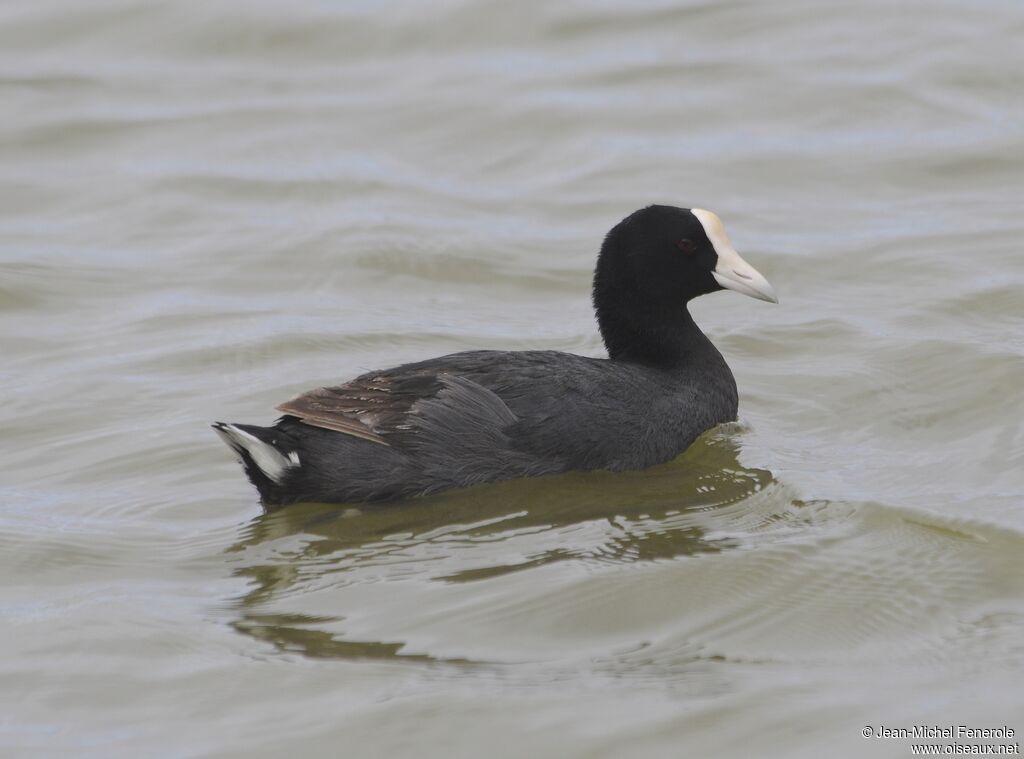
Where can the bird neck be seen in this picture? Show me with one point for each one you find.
(664, 339)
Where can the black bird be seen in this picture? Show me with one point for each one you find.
(481, 416)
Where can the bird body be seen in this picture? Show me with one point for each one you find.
(482, 416)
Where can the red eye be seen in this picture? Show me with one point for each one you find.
(686, 246)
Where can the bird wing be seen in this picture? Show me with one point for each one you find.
(368, 407)
(390, 406)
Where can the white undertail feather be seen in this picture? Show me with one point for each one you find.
(271, 461)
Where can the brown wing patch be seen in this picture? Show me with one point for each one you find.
(372, 407)
(347, 408)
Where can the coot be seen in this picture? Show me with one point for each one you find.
(481, 416)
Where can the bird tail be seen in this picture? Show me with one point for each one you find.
(266, 453)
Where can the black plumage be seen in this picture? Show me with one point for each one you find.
(481, 416)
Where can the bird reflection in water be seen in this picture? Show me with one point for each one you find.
(472, 535)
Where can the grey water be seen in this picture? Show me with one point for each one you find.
(206, 208)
